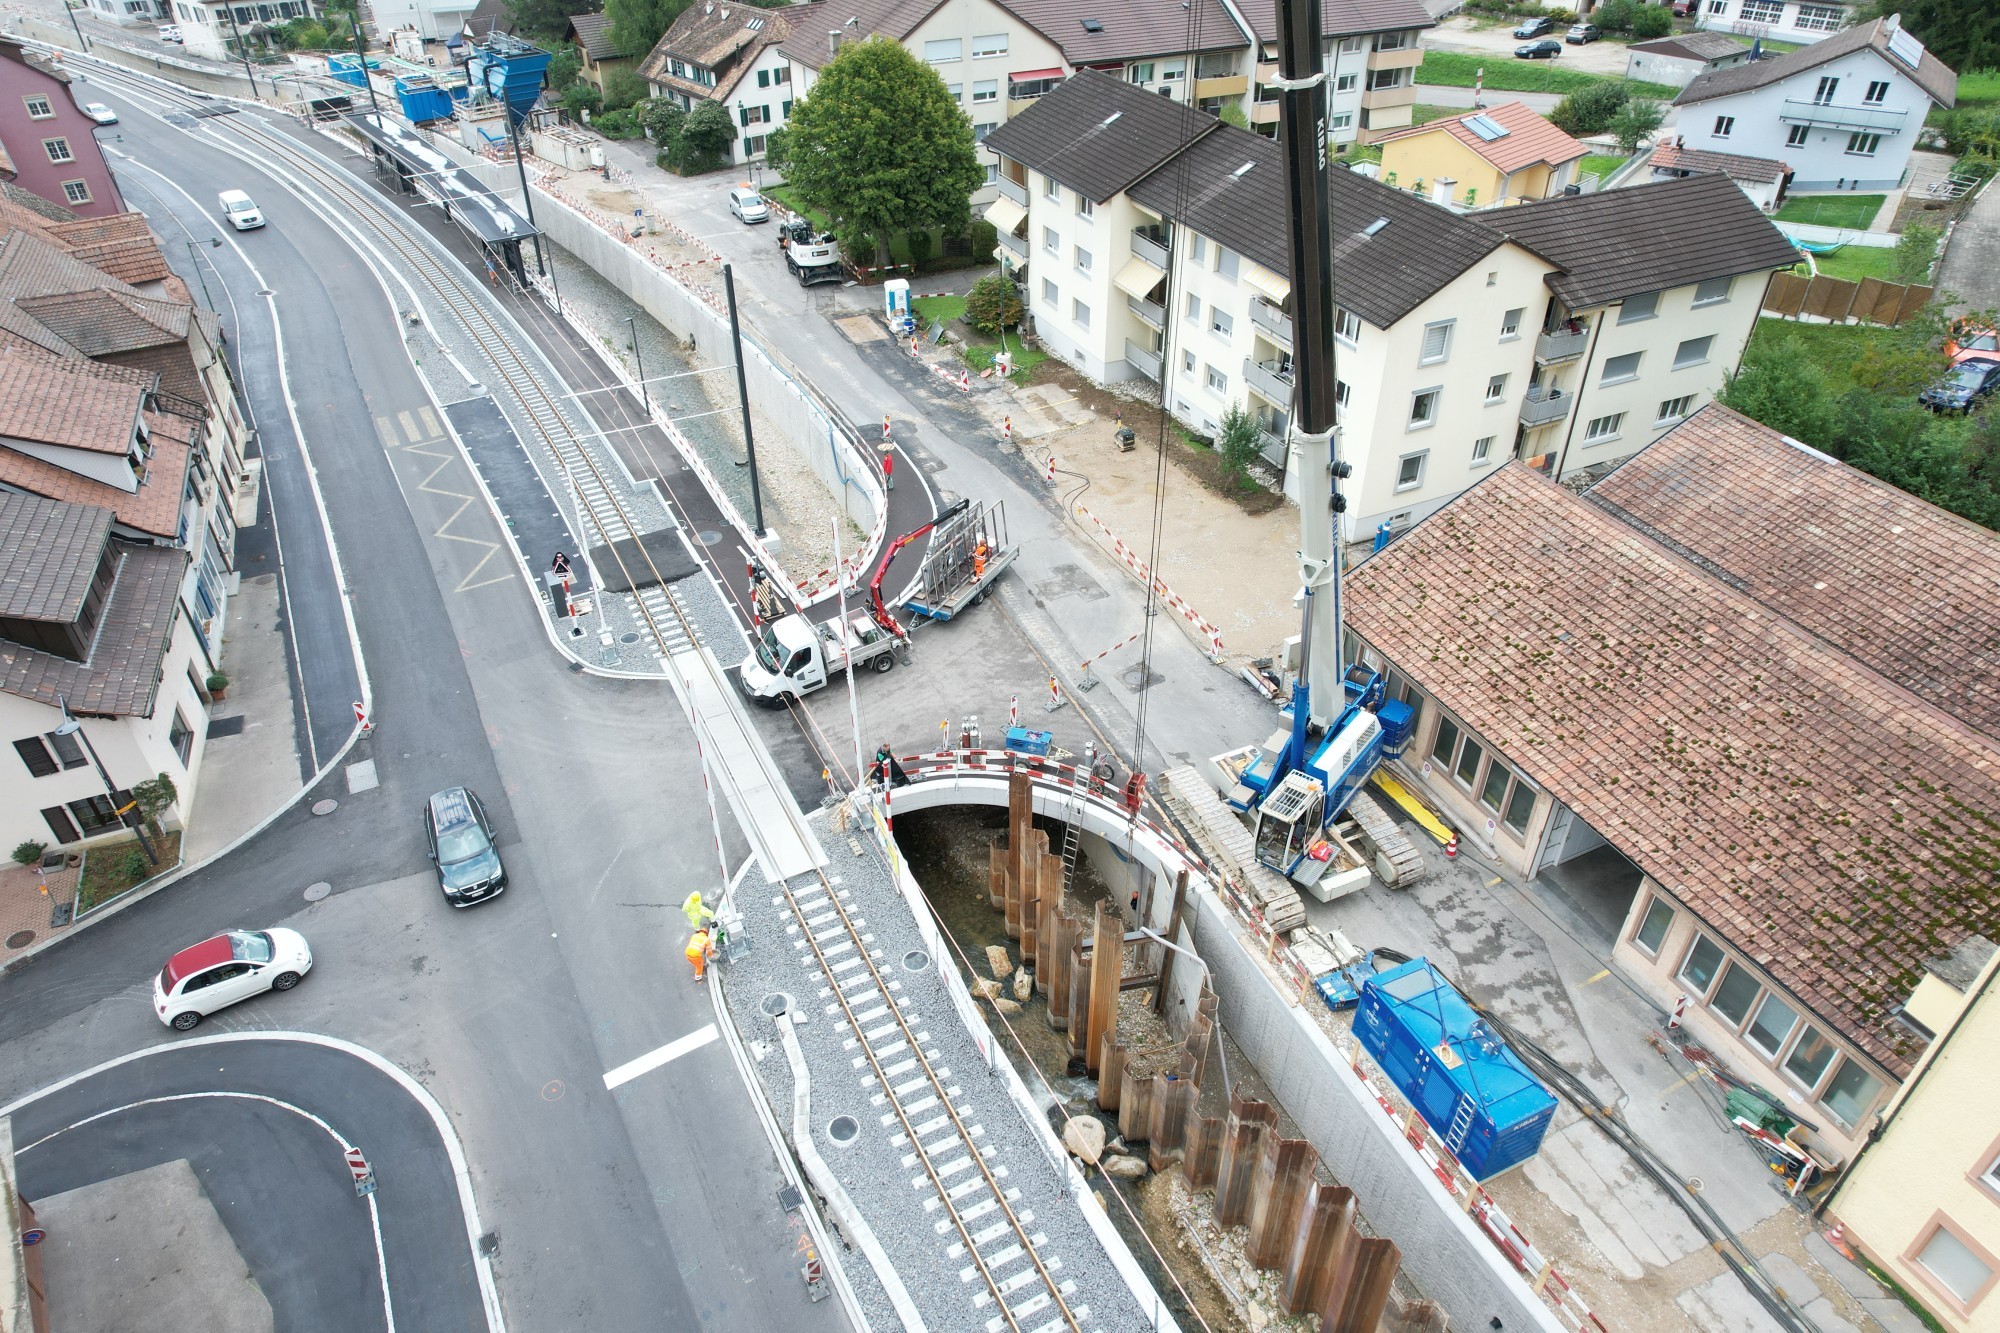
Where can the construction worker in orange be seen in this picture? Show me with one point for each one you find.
(700, 949)
(979, 560)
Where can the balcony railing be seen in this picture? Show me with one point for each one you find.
(1272, 321)
(1542, 406)
(1150, 312)
(1145, 362)
(1272, 447)
(1015, 245)
(1562, 345)
(1879, 119)
(1273, 379)
(1013, 189)
(1152, 249)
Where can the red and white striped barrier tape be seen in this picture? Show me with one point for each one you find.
(1208, 631)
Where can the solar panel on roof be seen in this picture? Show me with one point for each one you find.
(1906, 47)
(1485, 127)
(1092, 25)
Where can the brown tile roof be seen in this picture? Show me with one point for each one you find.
(1703, 46)
(1528, 139)
(1130, 29)
(28, 199)
(48, 556)
(856, 20)
(1669, 233)
(154, 509)
(726, 38)
(1932, 75)
(593, 33)
(50, 399)
(121, 245)
(1826, 822)
(1099, 134)
(1907, 589)
(121, 675)
(101, 322)
(1342, 18)
(1699, 161)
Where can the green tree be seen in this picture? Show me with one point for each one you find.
(565, 68)
(580, 98)
(921, 243)
(1650, 21)
(1236, 445)
(1914, 252)
(706, 135)
(153, 797)
(993, 304)
(1614, 15)
(1590, 110)
(636, 25)
(1780, 384)
(544, 20)
(623, 88)
(661, 118)
(1964, 36)
(879, 145)
(1635, 120)
(1232, 114)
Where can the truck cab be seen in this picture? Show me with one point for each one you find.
(792, 656)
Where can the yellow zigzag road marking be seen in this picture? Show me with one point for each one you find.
(445, 460)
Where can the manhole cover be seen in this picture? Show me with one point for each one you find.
(628, 638)
(315, 892)
(777, 1002)
(916, 960)
(843, 1129)
(326, 807)
(708, 538)
(20, 939)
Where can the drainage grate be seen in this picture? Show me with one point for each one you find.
(775, 1004)
(916, 960)
(225, 726)
(843, 1129)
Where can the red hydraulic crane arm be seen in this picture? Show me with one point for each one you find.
(876, 609)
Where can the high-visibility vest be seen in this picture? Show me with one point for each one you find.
(698, 946)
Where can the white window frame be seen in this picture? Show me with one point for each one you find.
(1344, 120)
(1724, 127)
(76, 192)
(31, 100)
(1496, 389)
(1082, 258)
(1346, 326)
(1051, 188)
(1227, 263)
(1079, 312)
(1632, 360)
(1218, 383)
(957, 91)
(936, 49)
(1084, 208)
(1645, 305)
(1405, 481)
(1510, 324)
(985, 90)
(1441, 331)
(1675, 409)
(51, 147)
(1139, 71)
(1706, 293)
(1878, 92)
(983, 48)
(1051, 295)
(1482, 451)
(1862, 143)
(1435, 395)
(1052, 241)
(1705, 343)
(1797, 136)
(1220, 323)
(1346, 83)
(1592, 435)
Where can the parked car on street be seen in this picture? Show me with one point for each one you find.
(1546, 49)
(460, 838)
(170, 32)
(1582, 34)
(1535, 27)
(100, 113)
(1963, 386)
(748, 205)
(218, 972)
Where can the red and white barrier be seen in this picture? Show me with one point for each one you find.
(1206, 630)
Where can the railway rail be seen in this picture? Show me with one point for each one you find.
(995, 1243)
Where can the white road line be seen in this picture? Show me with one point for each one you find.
(652, 1060)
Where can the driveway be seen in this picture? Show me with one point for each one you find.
(1477, 36)
(1971, 267)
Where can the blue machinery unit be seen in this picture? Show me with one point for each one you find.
(423, 98)
(1464, 1081)
(347, 69)
(508, 70)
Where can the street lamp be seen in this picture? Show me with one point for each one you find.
(81, 40)
(646, 405)
(242, 48)
(128, 814)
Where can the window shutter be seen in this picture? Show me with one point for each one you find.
(743, 114)
(36, 756)
(61, 824)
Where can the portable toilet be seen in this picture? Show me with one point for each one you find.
(896, 297)
(1469, 1087)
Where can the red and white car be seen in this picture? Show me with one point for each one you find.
(1970, 340)
(218, 972)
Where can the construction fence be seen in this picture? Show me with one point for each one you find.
(1838, 301)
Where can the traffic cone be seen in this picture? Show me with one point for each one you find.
(1050, 475)
(1451, 848)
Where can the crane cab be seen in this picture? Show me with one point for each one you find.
(1288, 822)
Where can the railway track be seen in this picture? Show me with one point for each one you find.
(980, 1231)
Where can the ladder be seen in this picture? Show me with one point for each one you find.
(1461, 1125)
(1072, 834)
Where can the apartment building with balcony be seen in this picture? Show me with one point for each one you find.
(1371, 58)
(1843, 113)
(1198, 54)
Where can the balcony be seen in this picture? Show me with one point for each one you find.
(1271, 321)
(1016, 246)
(1013, 189)
(1151, 247)
(1543, 406)
(1273, 448)
(1381, 99)
(1264, 113)
(1409, 57)
(1875, 119)
(1145, 362)
(1224, 85)
(1273, 379)
(1149, 312)
(1552, 349)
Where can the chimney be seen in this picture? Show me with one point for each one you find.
(1441, 189)
(833, 41)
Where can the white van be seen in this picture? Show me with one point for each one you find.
(241, 210)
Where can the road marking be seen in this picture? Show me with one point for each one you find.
(410, 427)
(429, 418)
(1680, 1083)
(1592, 981)
(652, 1060)
(465, 502)
(387, 430)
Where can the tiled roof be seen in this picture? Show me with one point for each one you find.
(1342, 18)
(50, 399)
(488, 17)
(1230, 187)
(26, 198)
(1699, 161)
(725, 38)
(1830, 825)
(101, 321)
(593, 33)
(1131, 29)
(1098, 134)
(856, 21)
(1529, 139)
(121, 245)
(154, 509)
(1905, 588)
(1696, 45)
(1932, 75)
(1670, 233)
(48, 556)
(121, 676)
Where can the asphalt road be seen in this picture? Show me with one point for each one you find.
(277, 1178)
(654, 1206)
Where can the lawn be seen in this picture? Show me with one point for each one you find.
(1456, 69)
(1835, 348)
(1856, 262)
(1850, 211)
(949, 310)
(1423, 113)
(1979, 87)
(1600, 165)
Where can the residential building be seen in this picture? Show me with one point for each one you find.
(127, 11)
(1764, 180)
(1199, 54)
(1922, 1201)
(94, 625)
(729, 54)
(488, 17)
(590, 34)
(48, 146)
(430, 20)
(1461, 340)
(1678, 60)
(1501, 155)
(1371, 57)
(1779, 20)
(1752, 746)
(1844, 113)
(216, 28)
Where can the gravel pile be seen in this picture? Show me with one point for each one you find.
(872, 1164)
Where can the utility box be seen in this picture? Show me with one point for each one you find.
(1466, 1083)
(896, 298)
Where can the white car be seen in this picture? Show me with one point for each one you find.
(170, 32)
(748, 205)
(240, 209)
(218, 972)
(100, 113)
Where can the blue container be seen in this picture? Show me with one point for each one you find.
(1464, 1081)
(346, 69)
(422, 99)
(1398, 719)
(510, 70)
(1023, 741)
